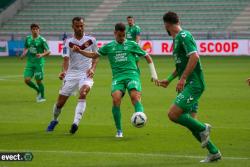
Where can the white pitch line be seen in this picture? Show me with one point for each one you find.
(123, 154)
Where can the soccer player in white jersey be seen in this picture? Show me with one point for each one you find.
(78, 72)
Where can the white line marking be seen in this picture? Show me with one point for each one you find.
(123, 154)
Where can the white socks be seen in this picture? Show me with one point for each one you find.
(80, 108)
(56, 112)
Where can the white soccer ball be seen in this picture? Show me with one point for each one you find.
(138, 119)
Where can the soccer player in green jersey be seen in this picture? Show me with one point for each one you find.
(132, 30)
(133, 34)
(121, 55)
(190, 86)
(36, 48)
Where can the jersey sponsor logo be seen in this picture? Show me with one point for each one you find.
(119, 57)
(128, 35)
(33, 49)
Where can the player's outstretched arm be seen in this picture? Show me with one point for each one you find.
(165, 82)
(138, 38)
(152, 68)
(45, 53)
(25, 50)
(65, 66)
(88, 54)
(193, 59)
(91, 71)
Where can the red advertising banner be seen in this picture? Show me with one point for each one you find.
(161, 47)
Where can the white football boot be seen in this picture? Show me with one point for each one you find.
(119, 134)
(212, 158)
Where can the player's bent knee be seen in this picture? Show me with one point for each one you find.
(116, 101)
(83, 94)
(135, 97)
(116, 98)
(174, 113)
(27, 80)
(172, 116)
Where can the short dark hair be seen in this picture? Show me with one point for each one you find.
(130, 17)
(171, 17)
(77, 18)
(34, 25)
(120, 27)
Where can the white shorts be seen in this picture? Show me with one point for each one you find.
(71, 85)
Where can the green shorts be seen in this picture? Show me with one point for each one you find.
(33, 69)
(126, 83)
(188, 98)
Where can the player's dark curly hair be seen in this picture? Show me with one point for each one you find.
(171, 17)
(120, 27)
(77, 19)
(130, 17)
(34, 25)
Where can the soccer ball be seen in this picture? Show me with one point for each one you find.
(138, 119)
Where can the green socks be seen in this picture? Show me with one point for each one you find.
(196, 127)
(138, 107)
(191, 123)
(210, 146)
(41, 89)
(117, 117)
(117, 113)
(33, 86)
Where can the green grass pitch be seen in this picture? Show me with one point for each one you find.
(225, 105)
